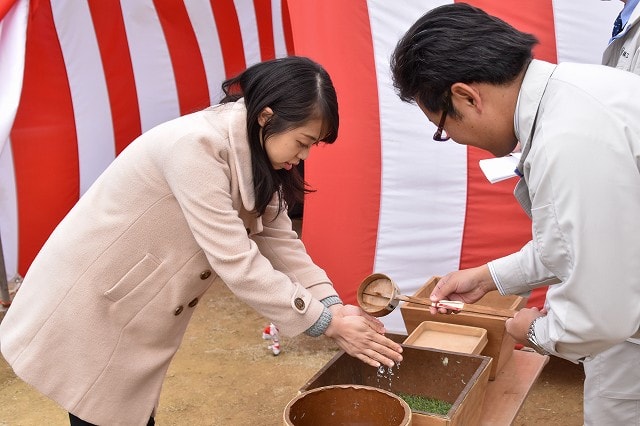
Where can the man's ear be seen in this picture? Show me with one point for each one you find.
(264, 116)
(464, 96)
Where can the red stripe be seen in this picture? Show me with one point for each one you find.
(5, 6)
(186, 58)
(264, 19)
(118, 69)
(531, 16)
(495, 224)
(230, 36)
(341, 219)
(286, 24)
(43, 138)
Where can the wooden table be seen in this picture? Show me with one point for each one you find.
(506, 394)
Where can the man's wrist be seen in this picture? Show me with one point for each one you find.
(533, 341)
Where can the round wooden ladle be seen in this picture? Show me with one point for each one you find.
(378, 295)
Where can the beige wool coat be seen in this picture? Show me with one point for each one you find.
(105, 304)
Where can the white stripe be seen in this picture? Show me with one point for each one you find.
(13, 34)
(8, 211)
(152, 69)
(89, 95)
(278, 29)
(249, 30)
(204, 26)
(423, 194)
(583, 29)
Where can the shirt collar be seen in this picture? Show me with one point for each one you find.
(533, 86)
(627, 10)
(625, 16)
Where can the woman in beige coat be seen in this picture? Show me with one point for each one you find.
(105, 304)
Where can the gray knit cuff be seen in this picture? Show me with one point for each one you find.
(331, 300)
(320, 326)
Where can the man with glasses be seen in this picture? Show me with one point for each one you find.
(579, 129)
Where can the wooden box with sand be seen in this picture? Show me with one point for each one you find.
(500, 344)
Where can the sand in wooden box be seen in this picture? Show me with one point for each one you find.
(456, 378)
(448, 337)
(500, 345)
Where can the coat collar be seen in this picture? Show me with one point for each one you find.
(240, 149)
(533, 87)
(239, 143)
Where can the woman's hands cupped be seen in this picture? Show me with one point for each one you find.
(362, 336)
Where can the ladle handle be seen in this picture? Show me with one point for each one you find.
(459, 306)
(478, 309)
(414, 299)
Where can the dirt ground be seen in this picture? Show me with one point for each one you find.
(224, 374)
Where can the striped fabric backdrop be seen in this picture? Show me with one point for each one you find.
(99, 72)
(389, 198)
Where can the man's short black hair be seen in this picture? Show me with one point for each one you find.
(456, 43)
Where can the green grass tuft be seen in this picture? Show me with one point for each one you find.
(428, 405)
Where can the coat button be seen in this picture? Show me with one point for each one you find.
(193, 303)
(178, 310)
(205, 274)
(299, 303)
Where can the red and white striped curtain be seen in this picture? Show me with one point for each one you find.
(389, 198)
(80, 79)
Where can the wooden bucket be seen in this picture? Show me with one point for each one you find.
(347, 405)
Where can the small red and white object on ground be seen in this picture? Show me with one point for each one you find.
(270, 332)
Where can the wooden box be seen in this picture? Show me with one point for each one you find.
(499, 346)
(452, 377)
(448, 337)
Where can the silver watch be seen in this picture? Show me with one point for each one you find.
(531, 338)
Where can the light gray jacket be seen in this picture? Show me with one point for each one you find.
(624, 52)
(581, 164)
(104, 306)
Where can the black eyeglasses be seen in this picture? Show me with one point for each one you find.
(441, 134)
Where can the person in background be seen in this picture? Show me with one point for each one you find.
(104, 306)
(622, 51)
(474, 76)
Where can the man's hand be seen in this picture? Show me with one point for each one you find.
(467, 285)
(518, 326)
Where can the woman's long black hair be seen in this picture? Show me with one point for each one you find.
(296, 89)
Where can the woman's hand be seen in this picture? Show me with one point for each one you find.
(362, 336)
